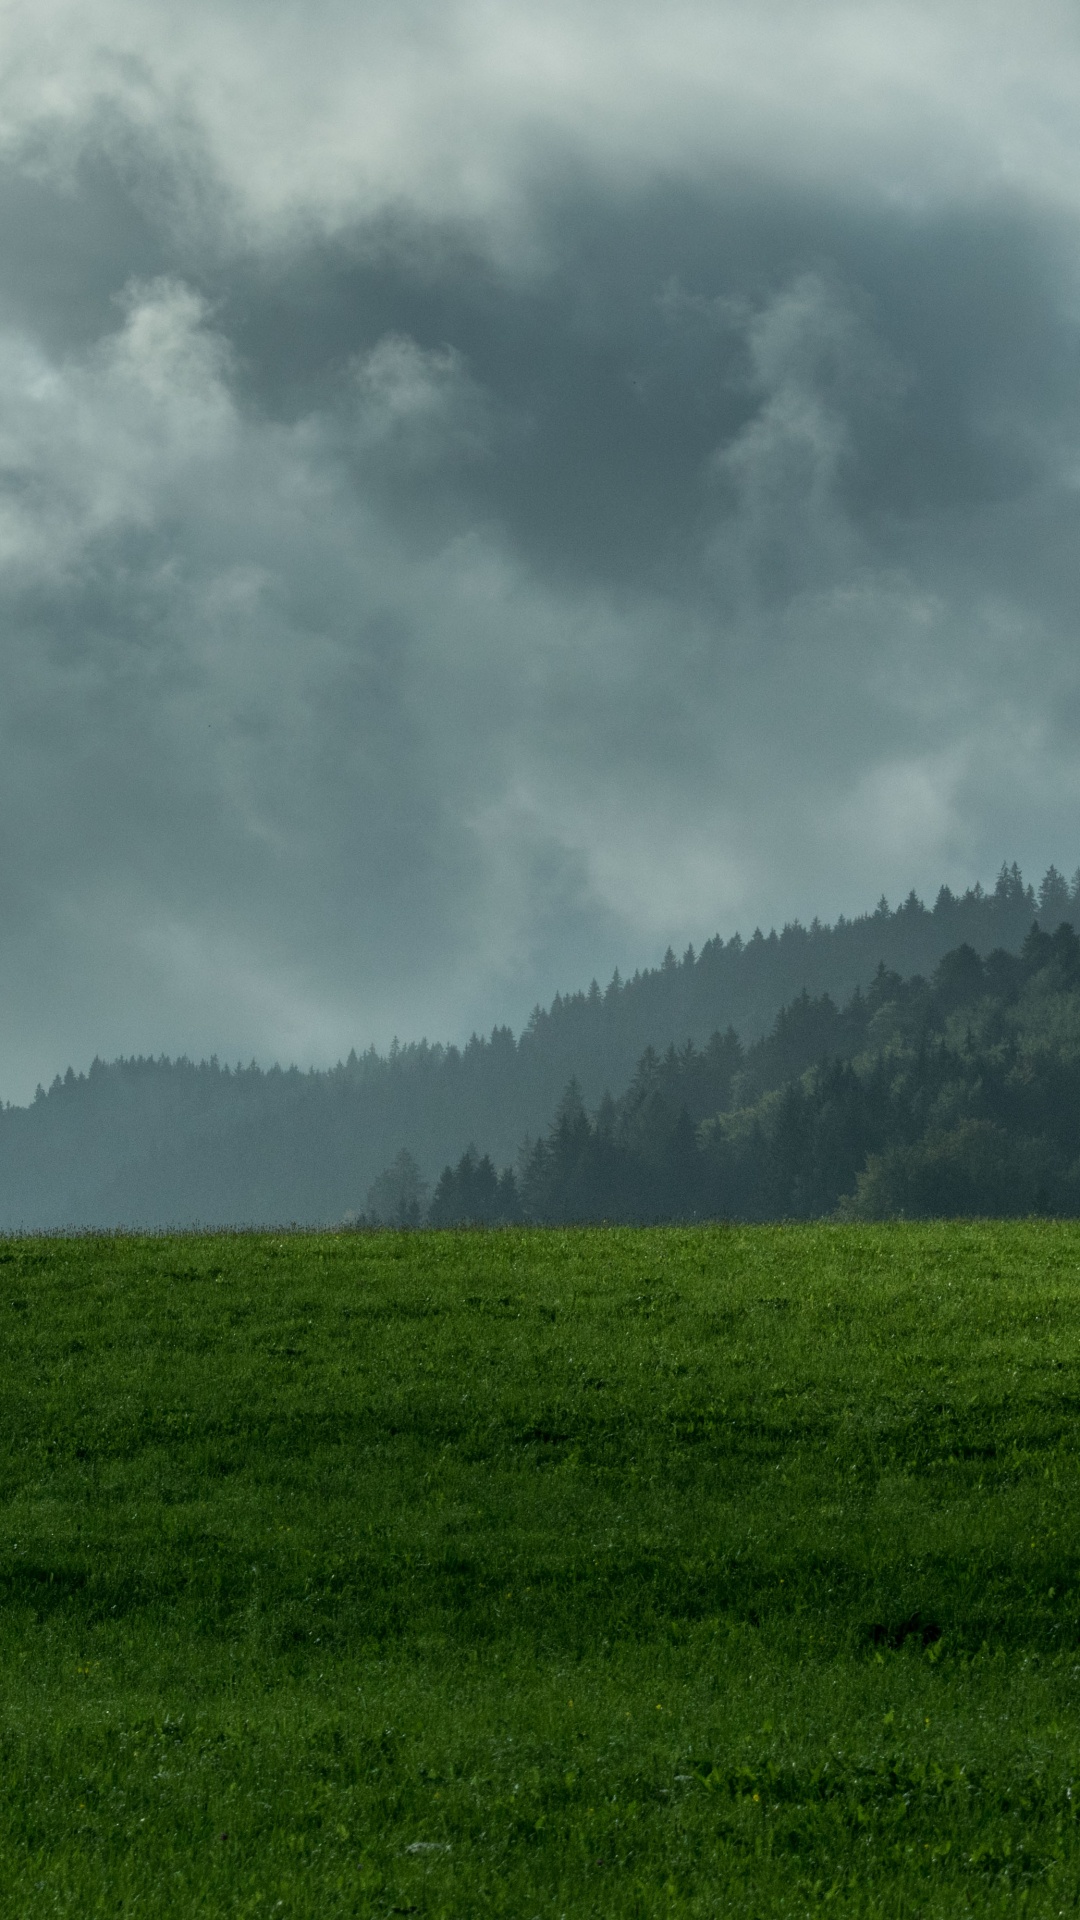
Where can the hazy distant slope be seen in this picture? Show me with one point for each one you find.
(147, 1142)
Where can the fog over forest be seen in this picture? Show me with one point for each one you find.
(653, 1066)
(489, 491)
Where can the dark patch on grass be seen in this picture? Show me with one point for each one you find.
(914, 1627)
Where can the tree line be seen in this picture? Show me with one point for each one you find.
(153, 1142)
(949, 1095)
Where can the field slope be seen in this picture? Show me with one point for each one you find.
(704, 1572)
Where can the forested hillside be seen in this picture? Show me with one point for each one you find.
(957, 1095)
(154, 1142)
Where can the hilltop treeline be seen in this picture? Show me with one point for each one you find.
(156, 1142)
(954, 1095)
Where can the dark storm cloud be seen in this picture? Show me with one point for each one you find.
(464, 531)
(941, 344)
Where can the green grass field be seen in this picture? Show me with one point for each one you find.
(704, 1572)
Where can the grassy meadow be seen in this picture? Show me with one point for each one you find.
(605, 1572)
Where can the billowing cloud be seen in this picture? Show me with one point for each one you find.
(486, 491)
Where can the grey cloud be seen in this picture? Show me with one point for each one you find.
(411, 606)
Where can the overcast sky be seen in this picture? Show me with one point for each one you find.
(487, 490)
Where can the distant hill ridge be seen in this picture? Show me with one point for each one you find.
(156, 1142)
